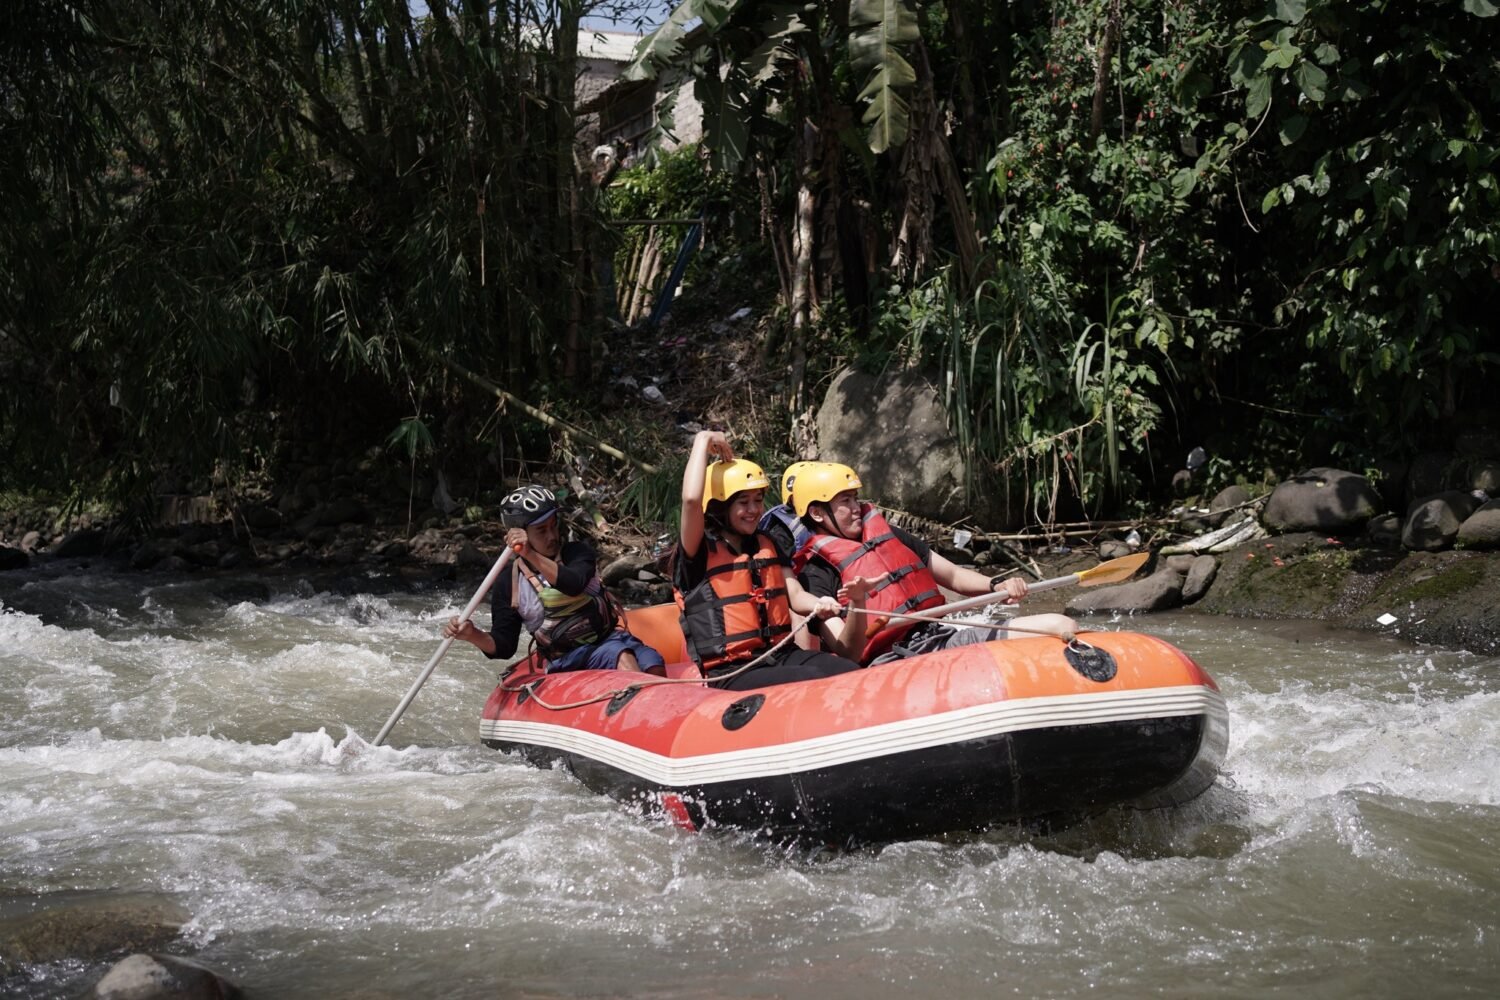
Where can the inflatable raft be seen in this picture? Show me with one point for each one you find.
(964, 739)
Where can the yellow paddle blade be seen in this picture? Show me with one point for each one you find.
(1113, 571)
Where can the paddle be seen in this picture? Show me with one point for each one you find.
(479, 595)
(1113, 571)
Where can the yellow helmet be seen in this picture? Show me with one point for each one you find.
(725, 479)
(821, 483)
(790, 476)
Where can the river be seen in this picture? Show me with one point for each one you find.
(167, 736)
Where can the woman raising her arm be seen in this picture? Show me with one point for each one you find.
(734, 586)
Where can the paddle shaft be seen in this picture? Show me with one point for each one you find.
(1107, 572)
(442, 650)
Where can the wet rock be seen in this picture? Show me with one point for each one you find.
(344, 510)
(259, 517)
(625, 567)
(203, 554)
(78, 544)
(241, 591)
(1484, 475)
(1481, 529)
(428, 543)
(1111, 549)
(1200, 577)
(1324, 500)
(392, 550)
(1158, 592)
(149, 553)
(196, 534)
(162, 977)
(1432, 523)
(1385, 530)
(1180, 563)
(1224, 501)
(321, 535)
(88, 926)
(31, 541)
(13, 558)
(471, 556)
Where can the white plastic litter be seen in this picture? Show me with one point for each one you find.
(1387, 619)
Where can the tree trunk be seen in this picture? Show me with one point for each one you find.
(802, 248)
(1101, 72)
(564, 82)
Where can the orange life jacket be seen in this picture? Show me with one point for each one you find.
(905, 583)
(740, 606)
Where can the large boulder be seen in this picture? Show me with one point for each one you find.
(1160, 591)
(1481, 529)
(1324, 500)
(1432, 523)
(894, 431)
(162, 977)
(13, 558)
(78, 544)
(88, 926)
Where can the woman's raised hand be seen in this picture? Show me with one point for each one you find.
(855, 591)
(717, 445)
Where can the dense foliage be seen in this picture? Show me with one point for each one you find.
(1117, 228)
(1267, 228)
(229, 223)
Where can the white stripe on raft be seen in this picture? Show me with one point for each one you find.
(979, 722)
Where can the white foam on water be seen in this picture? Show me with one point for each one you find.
(220, 752)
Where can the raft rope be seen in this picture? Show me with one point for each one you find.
(530, 687)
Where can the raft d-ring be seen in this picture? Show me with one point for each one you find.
(528, 691)
(1092, 662)
(742, 711)
(621, 698)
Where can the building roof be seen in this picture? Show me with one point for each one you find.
(613, 46)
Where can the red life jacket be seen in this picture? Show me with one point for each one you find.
(906, 584)
(739, 608)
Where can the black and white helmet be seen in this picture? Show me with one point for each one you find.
(527, 505)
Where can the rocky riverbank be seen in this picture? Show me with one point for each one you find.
(1354, 579)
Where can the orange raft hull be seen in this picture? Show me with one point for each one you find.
(963, 739)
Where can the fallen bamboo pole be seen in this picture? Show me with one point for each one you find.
(528, 409)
